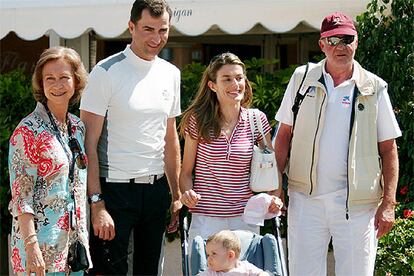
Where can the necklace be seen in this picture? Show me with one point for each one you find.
(228, 127)
(64, 127)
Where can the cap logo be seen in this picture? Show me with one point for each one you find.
(337, 21)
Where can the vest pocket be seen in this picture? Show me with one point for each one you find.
(365, 185)
(300, 164)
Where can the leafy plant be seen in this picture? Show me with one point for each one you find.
(268, 88)
(386, 47)
(395, 254)
(190, 81)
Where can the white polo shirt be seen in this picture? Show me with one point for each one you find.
(136, 97)
(334, 140)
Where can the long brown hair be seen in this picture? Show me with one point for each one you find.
(205, 107)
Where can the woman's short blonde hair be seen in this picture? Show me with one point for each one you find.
(78, 70)
(228, 239)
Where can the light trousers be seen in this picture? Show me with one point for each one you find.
(312, 222)
(205, 226)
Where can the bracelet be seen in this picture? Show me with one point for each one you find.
(29, 236)
(30, 239)
(30, 243)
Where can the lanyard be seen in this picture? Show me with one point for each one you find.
(71, 158)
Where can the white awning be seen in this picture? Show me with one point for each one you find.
(31, 19)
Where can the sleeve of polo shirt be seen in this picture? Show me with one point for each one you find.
(176, 107)
(387, 125)
(192, 128)
(97, 94)
(285, 114)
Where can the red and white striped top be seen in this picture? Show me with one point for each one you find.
(222, 168)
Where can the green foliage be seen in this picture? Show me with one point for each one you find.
(268, 88)
(396, 250)
(16, 102)
(386, 47)
(190, 81)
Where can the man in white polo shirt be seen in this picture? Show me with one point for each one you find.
(343, 163)
(129, 109)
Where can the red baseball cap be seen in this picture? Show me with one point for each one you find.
(337, 24)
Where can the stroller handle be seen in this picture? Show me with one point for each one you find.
(183, 220)
(276, 229)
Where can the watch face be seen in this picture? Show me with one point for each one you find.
(95, 198)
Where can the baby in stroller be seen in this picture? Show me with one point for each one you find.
(223, 253)
(265, 252)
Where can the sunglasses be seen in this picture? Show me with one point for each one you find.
(77, 151)
(345, 40)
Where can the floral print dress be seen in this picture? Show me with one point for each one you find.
(39, 179)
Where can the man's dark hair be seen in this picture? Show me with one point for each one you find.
(155, 7)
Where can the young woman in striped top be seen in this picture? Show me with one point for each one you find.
(219, 147)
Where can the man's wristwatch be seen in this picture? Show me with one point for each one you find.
(94, 198)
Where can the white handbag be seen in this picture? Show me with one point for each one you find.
(264, 175)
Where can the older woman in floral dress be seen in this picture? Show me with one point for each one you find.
(48, 170)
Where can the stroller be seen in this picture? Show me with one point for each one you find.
(265, 252)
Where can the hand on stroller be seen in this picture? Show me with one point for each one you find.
(280, 193)
(190, 198)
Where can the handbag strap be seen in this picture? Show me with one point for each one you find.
(299, 97)
(254, 113)
(295, 108)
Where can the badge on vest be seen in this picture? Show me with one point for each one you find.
(346, 101)
(311, 92)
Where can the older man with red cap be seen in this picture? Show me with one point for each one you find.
(336, 142)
